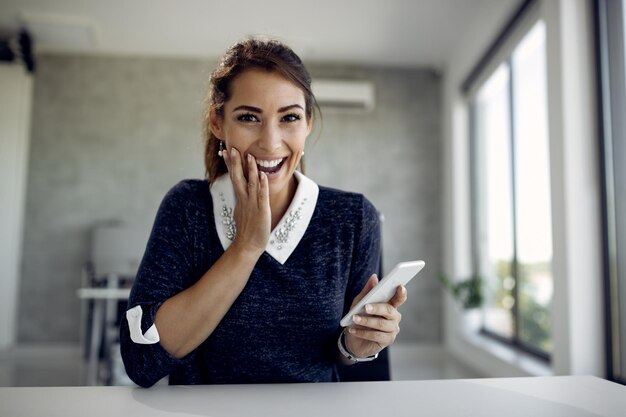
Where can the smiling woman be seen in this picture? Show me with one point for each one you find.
(246, 275)
(270, 133)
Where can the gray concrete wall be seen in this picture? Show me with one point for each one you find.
(111, 135)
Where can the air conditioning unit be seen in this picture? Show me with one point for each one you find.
(344, 94)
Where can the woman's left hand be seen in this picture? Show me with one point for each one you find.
(378, 328)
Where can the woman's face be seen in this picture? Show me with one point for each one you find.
(265, 117)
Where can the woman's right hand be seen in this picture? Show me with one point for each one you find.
(252, 211)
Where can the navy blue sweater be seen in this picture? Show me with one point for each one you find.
(284, 326)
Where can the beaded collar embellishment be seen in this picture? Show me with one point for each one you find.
(289, 231)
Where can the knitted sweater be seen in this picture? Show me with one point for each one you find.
(284, 325)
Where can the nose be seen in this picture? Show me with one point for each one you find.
(269, 137)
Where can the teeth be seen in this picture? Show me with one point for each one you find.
(269, 164)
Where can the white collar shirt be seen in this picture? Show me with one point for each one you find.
(290, 229)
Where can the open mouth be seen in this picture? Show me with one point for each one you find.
(270, 166)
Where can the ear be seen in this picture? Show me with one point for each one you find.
(215, 124)
(309, 127)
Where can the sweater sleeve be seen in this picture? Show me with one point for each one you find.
(366, 253)
(165, 268)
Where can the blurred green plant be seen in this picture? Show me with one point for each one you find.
(469, 292)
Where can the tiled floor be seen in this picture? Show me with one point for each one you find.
(64, 366)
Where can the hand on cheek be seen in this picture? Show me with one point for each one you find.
(252, 210)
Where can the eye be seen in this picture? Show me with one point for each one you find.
(247, 117)
(291, 117)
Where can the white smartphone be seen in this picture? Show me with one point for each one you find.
(401, 274)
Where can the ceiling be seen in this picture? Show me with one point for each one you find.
(412, 33)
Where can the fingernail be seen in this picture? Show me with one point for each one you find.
(369, 308)
(351, 330)
(233, 151)
(356, 319)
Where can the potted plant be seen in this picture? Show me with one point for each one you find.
(469, 296)
(468, 293)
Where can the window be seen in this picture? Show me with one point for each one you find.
(511, 196)
(611, 47)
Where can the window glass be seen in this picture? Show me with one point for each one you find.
(532, 189)
(512, 203)
(494, 172)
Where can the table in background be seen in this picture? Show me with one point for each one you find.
(102, 323)
(567, 396)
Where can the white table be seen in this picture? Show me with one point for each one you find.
(570, 396)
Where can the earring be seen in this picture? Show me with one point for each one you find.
(220, 153)
(302, 154)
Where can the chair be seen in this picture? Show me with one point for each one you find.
(115, 254)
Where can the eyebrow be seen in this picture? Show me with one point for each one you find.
(258, 110)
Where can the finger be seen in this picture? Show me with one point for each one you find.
(384, 310)
(376, 323)
(236, 173)
(371, 283)
(382, 338)
(253, 176)
(399, 297)
(264, 192)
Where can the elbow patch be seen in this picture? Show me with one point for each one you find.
(134, 316)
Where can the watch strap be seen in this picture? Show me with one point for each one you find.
(341, 344)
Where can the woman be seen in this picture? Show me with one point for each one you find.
(246, 276)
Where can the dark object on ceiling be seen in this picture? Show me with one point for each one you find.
(18, 47)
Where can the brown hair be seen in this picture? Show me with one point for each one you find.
(270, 55)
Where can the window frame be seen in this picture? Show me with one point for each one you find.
(501, 51)
(610, 28)
(515, 341)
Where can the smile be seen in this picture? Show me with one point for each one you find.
(270, 166)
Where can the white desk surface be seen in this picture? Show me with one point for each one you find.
(568, 396)
(103, 293)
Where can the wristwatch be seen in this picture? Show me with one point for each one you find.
(345, 352)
